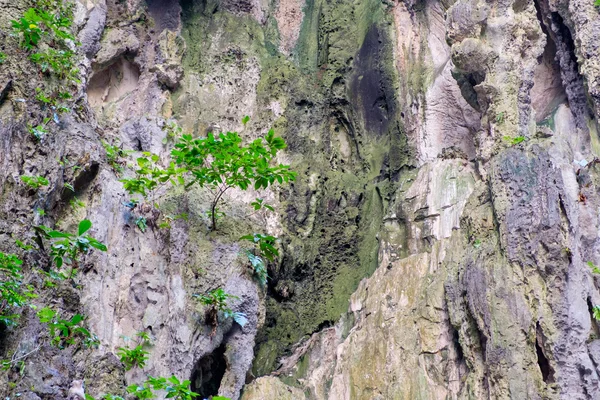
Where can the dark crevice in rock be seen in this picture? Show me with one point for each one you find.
(460, 355)
(594, 324)
(81, 182)
(4, 334)
(467, 82)
(208, 372)
(554, 27)
(542, 360)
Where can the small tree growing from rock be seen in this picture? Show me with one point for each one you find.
(217, 162)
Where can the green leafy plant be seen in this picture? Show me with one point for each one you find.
(150, 175)
(34, 182)
(2, 57)
(216, 301)
(174, 388)
(258, 266)
(44, 98)
(168, 219)
(173, 131)
(50, 277)
(594, 268)
(265, 245)
(500, 117)
(61, 62)
(215, 214)
(514, 140)
(36, 23)
(114, 155)
(22, 245)
(260, 204)
(264, 248)
(39, 131)
(13, 292)
(137, 356)
(17, 362)
(75, 203)
(65, 332)
(596, 312)
(66, 248)
(222, 162)
(29, 27)
(141, 223)
(477, 243)
(217, 163)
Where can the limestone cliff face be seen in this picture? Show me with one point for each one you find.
(434, 246)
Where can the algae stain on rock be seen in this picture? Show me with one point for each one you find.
(344, 138)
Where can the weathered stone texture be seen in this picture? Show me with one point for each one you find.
(434, 246)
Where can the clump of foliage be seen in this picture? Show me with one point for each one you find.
(264, 249)
(174, 388)
(13, 292)
(66, 248)
(259, 204)
(34, 182)
(514, 140)
(76, 204)
(50, 277)
(61, 62)
(150, 175)
(216, 301)
(39, 131)
(114, 155)
(173, 130)
(594, 268)
(168, 219)
(65, 332)
(222, 162)
(36, 23)
(47, 28)
(141, 223)
(596, 312)
(2, 57)
(258, 266)
(500, 117)
(265, 244)
(137, 356)
(217, 163)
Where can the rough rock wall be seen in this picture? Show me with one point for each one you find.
(445, 149)
(482, 289)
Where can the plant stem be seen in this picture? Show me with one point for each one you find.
(214, 206)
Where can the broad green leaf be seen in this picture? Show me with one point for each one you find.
(84, 226)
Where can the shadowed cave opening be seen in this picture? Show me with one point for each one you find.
(208, 373)
(542, 360)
